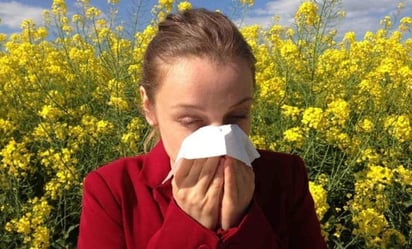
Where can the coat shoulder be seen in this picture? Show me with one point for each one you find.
(279, 170)
(116, 171)
(277, 161)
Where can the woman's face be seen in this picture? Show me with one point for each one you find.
(196, 92)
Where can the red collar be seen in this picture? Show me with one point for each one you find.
(156, 166)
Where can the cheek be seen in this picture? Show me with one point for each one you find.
(170, 131)
(171, 138)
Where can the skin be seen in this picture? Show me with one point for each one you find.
(196, 92)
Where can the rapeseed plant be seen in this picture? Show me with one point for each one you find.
(69, 103)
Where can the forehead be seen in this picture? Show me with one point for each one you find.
(165, 64)
(202, 79)
(193, 71)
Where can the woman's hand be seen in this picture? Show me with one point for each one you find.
(239, 186)
(198, 188)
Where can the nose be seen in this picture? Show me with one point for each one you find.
(217, 123)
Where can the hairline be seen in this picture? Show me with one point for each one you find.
(167, 62)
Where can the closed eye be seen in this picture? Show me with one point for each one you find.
(234, 119)
(189, 121)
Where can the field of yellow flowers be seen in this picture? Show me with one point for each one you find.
(69, 103)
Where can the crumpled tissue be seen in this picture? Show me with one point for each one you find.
(212, 141)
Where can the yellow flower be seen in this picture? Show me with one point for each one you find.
(370, 223)
(290, 111)
(247, 2)
(258, 141)
(185, 5)
(312, 117)
(294, 135)
(392, 239)
(307, 13)
(49, 112)
(403, 175)
(118, 103)
(386, 22)
(77, 18)
(41, 237)
(6, 126)
(32, 223)
(16, 159)
(23, 224)
(96, 127)
(379, 174)
(399, 127)
(59, 7)
(338, 112)
(167, 5)
(319, 195)
(365, 125)
(405, 24)
(3, 37)
(93, 12)
(103, 125)
(132, 136)
(350, 37)
(53, 189)
(289, 49)
(369, 155)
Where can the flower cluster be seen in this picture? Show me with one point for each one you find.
(67, 106)
(69, 97)
(343, 104)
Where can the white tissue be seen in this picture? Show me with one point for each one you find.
(212, 141)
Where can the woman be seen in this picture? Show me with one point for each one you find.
(198, 71)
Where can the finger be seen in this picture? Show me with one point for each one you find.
(188, 173)
(238, 178)
(244, 173)
(244, 182)
(182, 167)
(215, 191)
(229, 176)
(209, 173)
(209, 168)
(192, 175)
(241, 172)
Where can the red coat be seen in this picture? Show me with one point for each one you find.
(126, 206)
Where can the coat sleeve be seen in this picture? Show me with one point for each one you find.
(179, 230)
(100, 221)
(254, 231)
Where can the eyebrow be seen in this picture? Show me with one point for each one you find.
(245, 100)
(190, 106)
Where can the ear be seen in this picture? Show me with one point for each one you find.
(148, 107)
